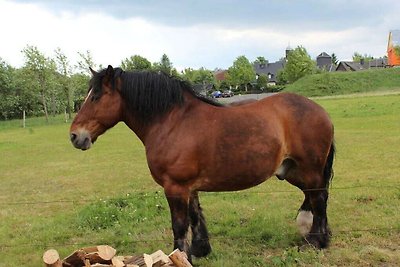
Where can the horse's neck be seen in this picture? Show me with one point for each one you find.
(162, 123)
(135, 125)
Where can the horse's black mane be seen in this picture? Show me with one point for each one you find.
(149, 93)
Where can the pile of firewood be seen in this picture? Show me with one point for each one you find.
(105, 256)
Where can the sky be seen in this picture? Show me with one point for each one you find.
(203, 33)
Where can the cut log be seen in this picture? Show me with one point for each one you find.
(75, 259)
(91, 255)
(159, 258)
(51, 258)
(135, 260)
(106, 252)
(117, 262)
(148, 261)
(179, 259)
(144, 260)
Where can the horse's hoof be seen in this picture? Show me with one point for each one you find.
(200, 248)
(317, 241)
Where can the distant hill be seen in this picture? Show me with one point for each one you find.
(341, 83)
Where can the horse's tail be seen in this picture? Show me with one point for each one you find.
(328, 170)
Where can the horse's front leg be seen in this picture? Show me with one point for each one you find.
(200, 244)
(178, 200)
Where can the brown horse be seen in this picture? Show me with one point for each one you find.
(195, 144)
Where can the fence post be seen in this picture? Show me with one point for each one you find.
(23, 119)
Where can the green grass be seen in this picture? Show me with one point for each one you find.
(54, 196)
(342, 83)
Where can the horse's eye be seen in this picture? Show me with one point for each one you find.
(94, 98)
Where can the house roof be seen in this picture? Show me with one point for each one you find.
(269, 68)
(220, 75)
(323, 54)
(350, 66)
(379, 62)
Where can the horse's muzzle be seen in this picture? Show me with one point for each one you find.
(81, 140)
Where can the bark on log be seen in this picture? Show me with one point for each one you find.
(91, 255)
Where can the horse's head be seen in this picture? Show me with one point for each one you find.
(101, 110)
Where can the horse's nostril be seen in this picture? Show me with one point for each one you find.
(73, 137)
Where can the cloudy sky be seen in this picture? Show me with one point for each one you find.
(202, 33)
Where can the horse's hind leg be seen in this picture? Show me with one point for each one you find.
(304, 218)
(200, 244)
(320, 234)
(312, 217)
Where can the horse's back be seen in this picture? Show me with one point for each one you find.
(294, 111)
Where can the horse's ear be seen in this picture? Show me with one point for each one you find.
(109, 76)
(92, 71)
(109, 73)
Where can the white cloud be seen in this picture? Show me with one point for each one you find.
(111, 39)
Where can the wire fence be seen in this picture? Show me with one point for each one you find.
(169, 241)
(141, 194)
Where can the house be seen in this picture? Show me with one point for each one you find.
(324, 62)
(220, 75)
(349, 66)
(269, 69)
(376, 63)
(362, 65)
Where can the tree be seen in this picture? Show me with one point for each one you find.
(9, 99)
(40, 69)
(260, 60)
(334, 59)
(65, 71)
(299, 64)
(200, 76)
(136, 62)
(86, 62)
(262, 82)
(80, 83)
(357, 57)
(165, 65)
(397, 50)
(241, 72)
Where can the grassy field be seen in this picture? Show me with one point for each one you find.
(339, 83)
(54, 196)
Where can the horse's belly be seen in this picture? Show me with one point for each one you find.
(233, 181)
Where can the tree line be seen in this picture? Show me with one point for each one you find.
(52, 85)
